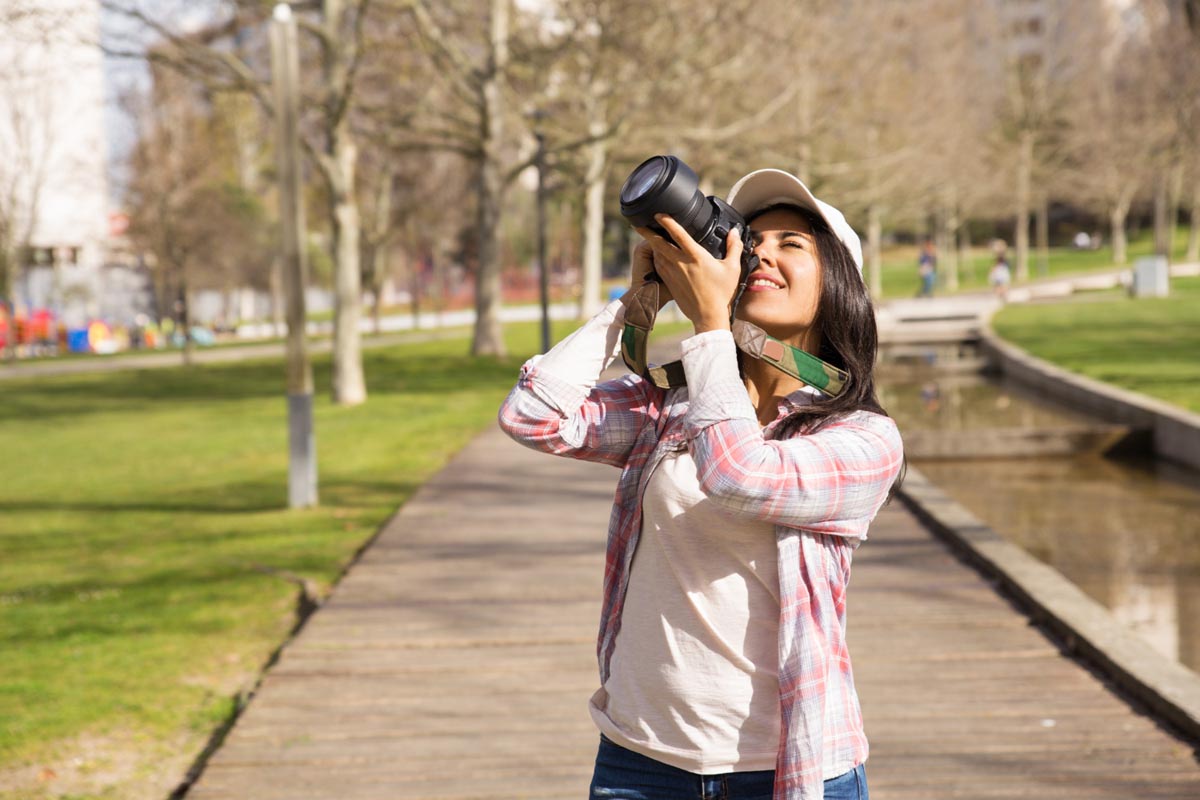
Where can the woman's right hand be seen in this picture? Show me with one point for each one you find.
(643, 265)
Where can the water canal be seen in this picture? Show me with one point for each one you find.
(1125, 529)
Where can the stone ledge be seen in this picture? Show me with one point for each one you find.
(1083, 626)
(1176, 431)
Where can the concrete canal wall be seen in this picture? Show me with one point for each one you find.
(1175, 432)
(1170, 691)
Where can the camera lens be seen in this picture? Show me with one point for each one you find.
(643, 179)
(664, 185)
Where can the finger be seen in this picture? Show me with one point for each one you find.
(664, 249)
(650, 235)
(680, 235)
(733, 247)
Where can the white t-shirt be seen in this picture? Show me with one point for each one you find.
(694, 677)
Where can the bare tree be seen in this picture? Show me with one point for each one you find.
(1120, 126)
(49, 178)
(187, 210)
(29, 146)
(336, 31)
(1175, 50)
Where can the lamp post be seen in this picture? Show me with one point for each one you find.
(302, 448)
(543, 267)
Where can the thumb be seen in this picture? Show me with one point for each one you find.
(733, 245)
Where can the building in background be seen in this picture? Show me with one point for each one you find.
(53, 184)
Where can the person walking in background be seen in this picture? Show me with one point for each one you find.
(927, 268)
(742, 498)
(1000, 276)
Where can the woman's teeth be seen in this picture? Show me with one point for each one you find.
(765, 283)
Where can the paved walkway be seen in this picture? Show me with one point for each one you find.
(455, 661)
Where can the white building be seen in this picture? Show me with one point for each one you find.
(53, 185)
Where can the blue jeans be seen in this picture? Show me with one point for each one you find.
(625, 775)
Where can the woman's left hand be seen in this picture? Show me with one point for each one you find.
(702, 285)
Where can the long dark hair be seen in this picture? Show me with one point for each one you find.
(849, 339)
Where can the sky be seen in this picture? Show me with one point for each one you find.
(123, 75)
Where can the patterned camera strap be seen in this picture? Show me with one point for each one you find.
(641, 308)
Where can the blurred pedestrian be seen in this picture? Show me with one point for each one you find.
(743, 496)
(1000, 276)
(927, 268)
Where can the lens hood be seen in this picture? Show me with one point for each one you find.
(663, 185)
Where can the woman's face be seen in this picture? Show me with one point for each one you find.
(782, 293)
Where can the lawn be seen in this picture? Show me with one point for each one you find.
(900, 263)
(1149, 345)
(144, 530)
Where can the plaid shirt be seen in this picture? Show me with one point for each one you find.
(820, 490)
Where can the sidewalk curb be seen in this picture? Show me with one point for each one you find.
(1085, 628)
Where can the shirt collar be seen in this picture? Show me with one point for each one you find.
(804, 396)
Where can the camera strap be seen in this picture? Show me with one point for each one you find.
(800, 364)
(641, 308)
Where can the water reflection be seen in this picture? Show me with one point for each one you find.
(967, 402)
(1127, 533)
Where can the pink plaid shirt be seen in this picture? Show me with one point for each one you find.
(820, 490)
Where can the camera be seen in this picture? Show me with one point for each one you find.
(666, 185)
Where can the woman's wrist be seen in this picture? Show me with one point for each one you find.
(706, 324)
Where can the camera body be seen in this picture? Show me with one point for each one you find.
(666, 185)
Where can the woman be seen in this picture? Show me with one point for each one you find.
(723, 661)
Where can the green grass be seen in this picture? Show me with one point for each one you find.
(1149, 345)
(136, 506)
(900, 264)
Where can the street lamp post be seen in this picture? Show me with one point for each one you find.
(543, 267)
(302, 447)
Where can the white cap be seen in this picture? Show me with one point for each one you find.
(768, 187)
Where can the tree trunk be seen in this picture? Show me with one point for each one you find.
(874, 217)
(412, 257)
(348, 387)
(948, 254)
(1117, 216)
(1174, 196)
(1043, 235)
(439, 255)
(593, 221)
(1193, 245)
(804, 113)
(874, 251)
(184, 322)
(965, 261)
(1162, 229)
(278, 303)
(379, 270)
(489, 338)
(380, 246)
(415, 262)
(9, 256)
(1024, 177)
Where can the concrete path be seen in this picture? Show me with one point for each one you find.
(456, 658)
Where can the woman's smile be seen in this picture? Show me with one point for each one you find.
(761, 282)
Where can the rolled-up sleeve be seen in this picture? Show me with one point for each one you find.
(559, 407)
